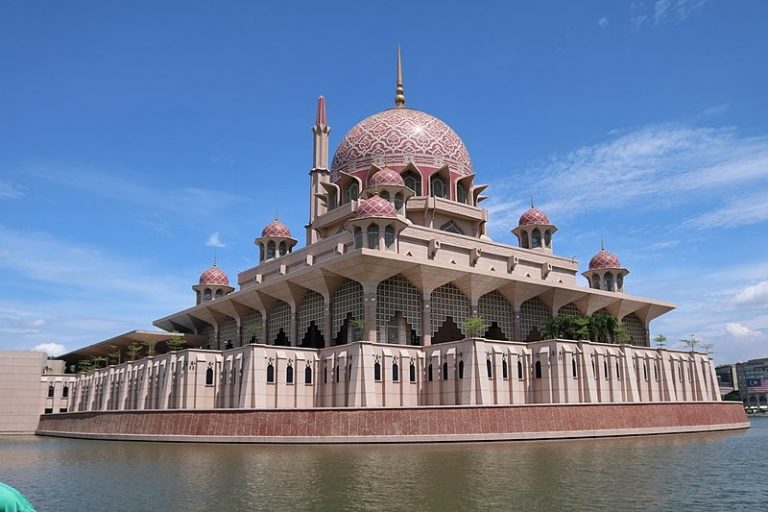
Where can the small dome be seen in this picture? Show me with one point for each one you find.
(533, 216)
(604, 259)
(276, 229)
(376, 207)
(214, 276)
(385, 177)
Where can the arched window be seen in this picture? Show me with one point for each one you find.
(605, 369)
(573, 367)
(535, 238)
(438, 187)
(519, 369)
(412, 373)
(325, 375)
(399, 201)
(461, 369)
(524, 239)
(389, 237)
(608, 282)
(489, 368)
(504, 369)
(384, 195)
(461, 193)
(337, 372)
(50, 391)
(618, 373)
(289, 374)
(373, 236)
(619, 281)
(395, 372)
(207, 294)
(270, 372)
(413, 181)
(547, 238)
(429, 373)
(377, 371)
(645, 372)
(537, 369)
(209, 377)
(308, 375)
(65, 392)
(283, 248)
(270, 250)
(445, 371)
(219, 292)
(596, 282)
(353, 190)
(358, 237)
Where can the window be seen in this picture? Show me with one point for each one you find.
(573, 367)
(65, 392)
(519, 369)
(207, 294)
(524, 239)
(352, 192)
(429, 373)
(50, 391)
(547, 238)
(537, 369)
(270, 372)
(619, 281)
(398, 201)
(325, 375)
(63, 409)
(373, 236)
(596, 282)
(412, 373)
(489, 368)
(283, 248)
(308, 375)
(461, 193)
(209, 377)
(358, 238)
(389, 237)
(384, 195)
(337, 372)
(535, 238)
(504, 369)
(270, 250)
(608, 282)
(439, 189)
(220, 293)
(461, 369)
(377, 371)
(618, 373)
(605, 368)
(645, 372)
(48, 410)
(395, 372)
(413, 181)
(289, 374)
(445, 371)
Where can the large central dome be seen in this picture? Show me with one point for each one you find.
(397, 137)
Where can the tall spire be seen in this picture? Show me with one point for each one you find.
(399, 92)
(320, 118)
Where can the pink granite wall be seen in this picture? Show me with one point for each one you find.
(451, 422)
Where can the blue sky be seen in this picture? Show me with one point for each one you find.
(137, 140)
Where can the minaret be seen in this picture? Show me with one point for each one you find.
(319, 173)
(399, 91)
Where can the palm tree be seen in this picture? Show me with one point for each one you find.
(134, 349)
(660, 340)
(552, 328)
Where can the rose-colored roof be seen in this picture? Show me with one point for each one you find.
(385, 177)
(376, 207)
(214, 276)
(533, 216)
(604, 259)
(399, 136)
(276, 229)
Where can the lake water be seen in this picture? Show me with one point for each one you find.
(692, 472)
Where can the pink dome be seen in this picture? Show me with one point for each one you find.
(386, 177)
(399, 136)
(214, 276)
(604, 259)
(276, 229)
(533, 216)
(376, 207)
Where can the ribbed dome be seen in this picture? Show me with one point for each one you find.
(604, 259)
(376, 207)
(214, 276)
(399, 136)
(276, 229)
(533, 216)
(385, 177)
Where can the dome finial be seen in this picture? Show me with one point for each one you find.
(399, 92)
(531, 200)
(602, 245)
(214, 259)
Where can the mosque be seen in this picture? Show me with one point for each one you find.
(400, 301)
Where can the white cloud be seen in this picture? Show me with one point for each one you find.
(603, 21)
(755, 295)
(9, 190)
(52, 349)
(738, 330)
(664, 11)
(215, 241)
(739, 212)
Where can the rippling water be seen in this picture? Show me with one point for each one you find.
(717, 471)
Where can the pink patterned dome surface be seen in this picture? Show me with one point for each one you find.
(386, 177)
(533, 216)
(276, 229)
(376, 207)
(604, 259)
(215, 276)
(400, 136)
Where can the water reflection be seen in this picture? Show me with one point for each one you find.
(700, 471)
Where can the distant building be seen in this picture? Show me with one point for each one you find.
(727, 379)
(753, 382)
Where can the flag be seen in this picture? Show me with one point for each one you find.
(757, 386)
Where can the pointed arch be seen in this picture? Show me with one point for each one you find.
(412, 180)
(346, 301)
(279, 323)
(496, 309)
(534, 314)
(635, 328)
(398, 310)
(310, 315)
(449, 307)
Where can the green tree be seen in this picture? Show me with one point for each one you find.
(99, 361)
(553, 327)
(358, 328)
(475, 326)
(175, 343)
(134, 349)
(85, 365)
(151, 347)
(603, 327)
(660, 340)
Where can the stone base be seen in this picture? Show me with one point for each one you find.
(398, 425)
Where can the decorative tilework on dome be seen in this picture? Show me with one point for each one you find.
(376, 207)
(214, 276)
(533, 216)
(604, 259)
(386, 177)
(276, 229)
(399, 136)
